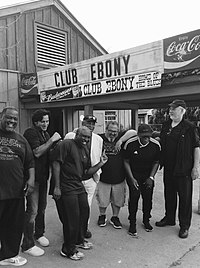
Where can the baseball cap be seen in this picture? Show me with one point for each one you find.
(177, 103)
(90, 118)
(145, 130)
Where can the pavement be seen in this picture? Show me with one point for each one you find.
(114, 248)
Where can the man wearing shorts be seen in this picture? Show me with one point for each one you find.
(111, 187)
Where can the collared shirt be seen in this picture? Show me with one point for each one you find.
(36, 137)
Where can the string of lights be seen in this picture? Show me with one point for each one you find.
(2, 28)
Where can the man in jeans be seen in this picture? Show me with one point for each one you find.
(40, 143)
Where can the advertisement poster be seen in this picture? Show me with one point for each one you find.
(28, 85)
(182, 52)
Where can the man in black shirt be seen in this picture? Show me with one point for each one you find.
(180, 159)
(16, 159)
(111, 187)
(70, 164)
(40, 143)
(141, 160)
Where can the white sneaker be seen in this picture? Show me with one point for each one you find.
(15, 261)
(35, 251)
(43, 241)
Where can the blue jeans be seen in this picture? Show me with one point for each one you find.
(35, 215)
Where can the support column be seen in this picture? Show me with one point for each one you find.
(88, 109)
(134, 119)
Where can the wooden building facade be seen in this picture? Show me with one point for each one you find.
(35, 36)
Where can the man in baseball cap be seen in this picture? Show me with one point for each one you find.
(145, 130)
(177, 103)
(90, 118)
(180, 156)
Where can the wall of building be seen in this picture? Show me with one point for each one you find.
(17, 39)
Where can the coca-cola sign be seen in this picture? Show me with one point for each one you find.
(28, 84)
(182, 52)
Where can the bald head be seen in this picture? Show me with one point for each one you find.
(9, 119)
(83, 135)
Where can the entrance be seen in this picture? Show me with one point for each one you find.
(56, 121)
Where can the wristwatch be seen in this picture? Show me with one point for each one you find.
(151, 177)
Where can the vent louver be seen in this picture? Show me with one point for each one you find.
(51, 46)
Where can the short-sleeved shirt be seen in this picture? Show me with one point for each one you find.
(141, 157)
(73, 161)
(15, 159)
(36, 137)
(113, 171)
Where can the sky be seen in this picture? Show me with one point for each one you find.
(121, 24)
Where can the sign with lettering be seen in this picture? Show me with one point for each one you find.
(28, 85)
(133, 69)
(182, 52)
(122, 84)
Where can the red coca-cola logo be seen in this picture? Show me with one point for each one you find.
(181, 50)
(30, 81)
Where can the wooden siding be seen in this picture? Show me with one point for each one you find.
(9, 89)
(17, 41)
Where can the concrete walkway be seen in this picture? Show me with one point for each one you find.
(115, 248)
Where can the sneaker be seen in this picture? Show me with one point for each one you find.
(75, 257)
(132, 231)
(148, 227)
(34, 251)
(78, 253)
(15, 261)
(43, 241)
(85, 245)
(102, 220)
(116, 222)
(88, 234)
(183, 233)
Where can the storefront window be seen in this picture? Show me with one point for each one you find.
(110, 116)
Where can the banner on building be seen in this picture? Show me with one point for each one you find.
(132, 69)
(182, 52)
(28, 85)
(108, 86)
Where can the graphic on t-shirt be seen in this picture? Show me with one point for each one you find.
(110, 148)
(6, 148)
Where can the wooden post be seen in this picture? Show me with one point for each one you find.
(88, 109)
(199, 199)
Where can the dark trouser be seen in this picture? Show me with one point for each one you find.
(62, 217)
(11, 227)
(134, 196)
(35, 215)
(182, 186)
(75, 220)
